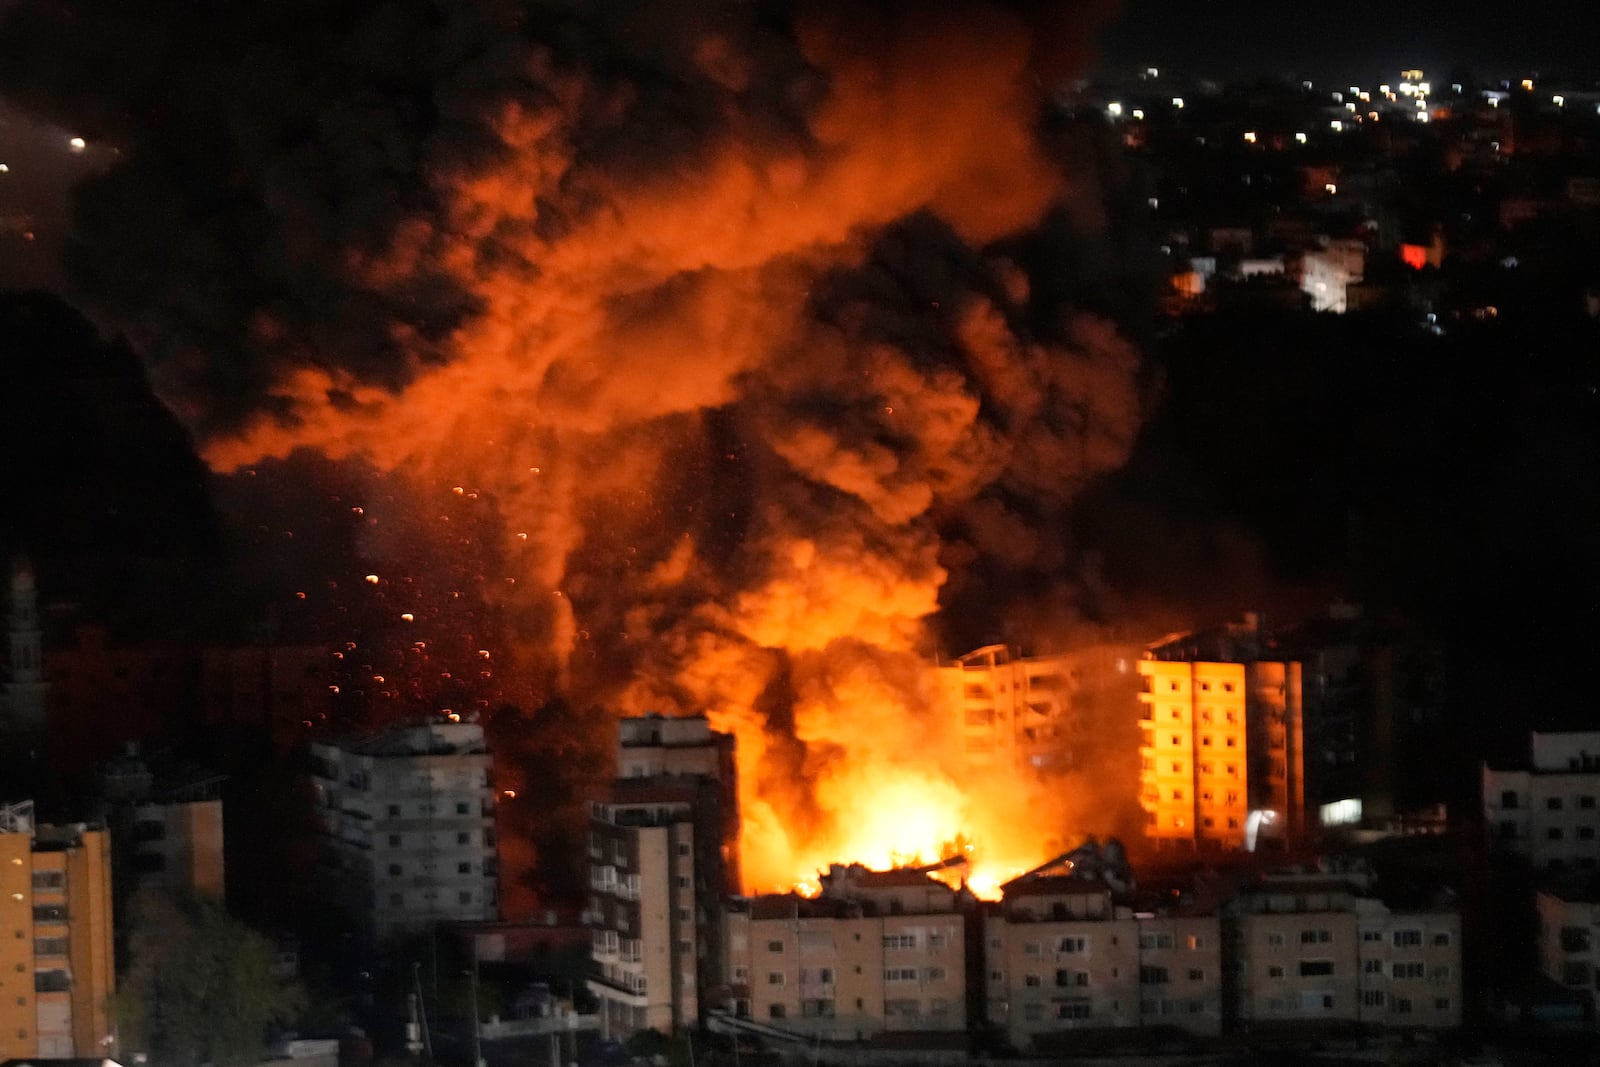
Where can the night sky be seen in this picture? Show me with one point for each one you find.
(1360, 41)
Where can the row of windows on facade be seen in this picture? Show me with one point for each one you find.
(1231, 769)
(1512, 800)
(1148, 975)
(1076, 944)
(1510, 831)
(1322, 1000)
(1406, 937)
(465, 896)
(899, 1007)
(463, 837)
(398, 869)
(902, 941)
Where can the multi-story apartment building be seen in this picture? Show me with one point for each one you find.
(1033, 712)
(165, 836)
(1569, 934)
(1221, 761)
(1312, 948)
(876, 952)
(409, 822)
(663, 851)
(1067, 951)
(56, 957)
(1546, 810)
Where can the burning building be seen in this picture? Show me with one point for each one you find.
(1221, 759)
(763, 333)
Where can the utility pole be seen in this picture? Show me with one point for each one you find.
(477, 1032)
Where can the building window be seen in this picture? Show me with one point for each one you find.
(1406, 969)
(1194, 941)
(1316, 937)
(1441, 937)
(1586, 803)
(394, 810)
(1153, 941)
(1032, 981)
(1441, 1003)
(1149, 975)
(774, 977)
(1508, 799)
(1553, 803)
(1373, 966)
(1274, 971)
(1275, 940)
(1315, 968)
(933, 974)
(1373, 998)
(1196, 974)
(463, 838)
(775, 1011)
(774, 946)
(1076, 1008)
(1553, 833)
(899, 941)
(394, 869)
(464, 896)
(900, 974)
(463, 868)
(1407, 938)
(394, 840)
(1073, 944)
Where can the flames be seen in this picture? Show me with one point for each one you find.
(746, 394)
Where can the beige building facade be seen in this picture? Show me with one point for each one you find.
(57, 970)
(1062, 953)
(875, 953)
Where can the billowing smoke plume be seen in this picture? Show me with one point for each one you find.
(719, 303)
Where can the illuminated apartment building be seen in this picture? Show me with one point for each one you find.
(1312, 948)
(1546, 810)
(1070, 951)
(409, 823)
(662, 852)
(876, 953)
(1036, 712)
(1221, 748)
(56, 959)
(1569, 934)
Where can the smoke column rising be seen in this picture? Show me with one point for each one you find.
(730, 337)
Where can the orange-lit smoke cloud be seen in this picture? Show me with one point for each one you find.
(723, 468)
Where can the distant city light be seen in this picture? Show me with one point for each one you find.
(1350, 106)
(1455, 87)
(1152, 72)
(1558, 100)
(1355, 90)
(1338, 98)
(1423, 116)
(1177, 101)
(1300, 138)
(1422, 105)
(1383, 90)
(1138, 113)
(77, 144)
(1250, 137)
(1115, 109)
(1331, 188)
(1527, 83)
(1364, 97)
(1337, 125)
(1305, 85)
(1424, 88)
(4, 169)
